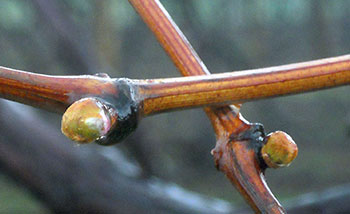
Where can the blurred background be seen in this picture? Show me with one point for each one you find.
(70, 37)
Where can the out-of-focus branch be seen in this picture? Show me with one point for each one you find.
(76, 38)
(238, 143)
(85, 179)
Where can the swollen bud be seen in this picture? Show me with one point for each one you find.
(280, 150)
(87, 120)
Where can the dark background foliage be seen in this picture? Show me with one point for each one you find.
(65, 37)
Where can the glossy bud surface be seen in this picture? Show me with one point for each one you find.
(86, 120)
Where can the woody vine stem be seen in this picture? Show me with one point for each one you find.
(124, 99)
(233, 153)
(105, 110)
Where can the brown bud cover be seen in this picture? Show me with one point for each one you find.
(280, 150)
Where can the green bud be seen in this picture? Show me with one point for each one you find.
(86, 120)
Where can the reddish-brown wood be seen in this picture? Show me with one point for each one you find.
(225, 120)
(238, 141)
(54, 93)
(166, 94)
(171, 38)
(158, 95)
